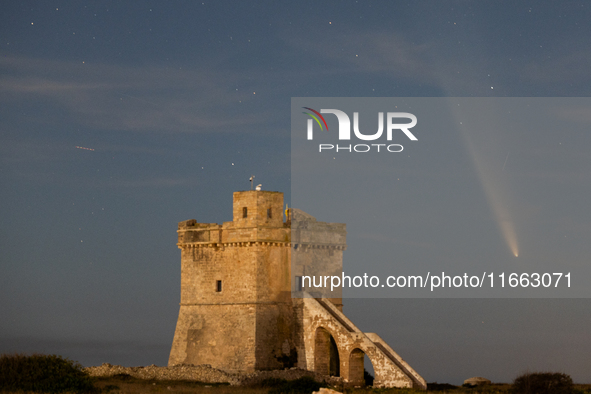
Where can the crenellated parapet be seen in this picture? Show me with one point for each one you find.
(300, 230)
(194, 245)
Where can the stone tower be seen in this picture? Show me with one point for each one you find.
(237, 312)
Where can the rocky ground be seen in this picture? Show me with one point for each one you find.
(205, 373)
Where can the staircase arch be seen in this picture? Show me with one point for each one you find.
(326, 353)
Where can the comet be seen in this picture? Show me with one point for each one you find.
(484, 149)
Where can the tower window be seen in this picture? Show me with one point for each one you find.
(269, 215)
(299, 285)
(218, 286)
(244, 212)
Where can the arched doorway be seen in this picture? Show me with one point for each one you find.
(356, 369)
(326, 354)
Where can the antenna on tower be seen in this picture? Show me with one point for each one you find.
(251, 179)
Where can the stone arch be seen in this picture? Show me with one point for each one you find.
(356, 367)
(326, 353)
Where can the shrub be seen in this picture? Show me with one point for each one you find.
(42, 373)
(543, 383)
(440, 386)
(303, 385)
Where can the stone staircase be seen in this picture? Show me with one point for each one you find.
(390, 369)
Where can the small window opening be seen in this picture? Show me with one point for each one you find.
(269, 215)
(218, 286)
(244, 212)
(299, 285)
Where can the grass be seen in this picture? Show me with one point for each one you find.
(130, 385)
(36, 373)
(126, 384)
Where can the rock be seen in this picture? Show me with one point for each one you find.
(477, 381)
(326, 391)
(207, 374)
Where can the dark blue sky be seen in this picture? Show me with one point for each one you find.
(182, 101)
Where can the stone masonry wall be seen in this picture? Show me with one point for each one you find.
(236, 312)
(220, 335)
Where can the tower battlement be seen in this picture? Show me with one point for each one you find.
(257, 217)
